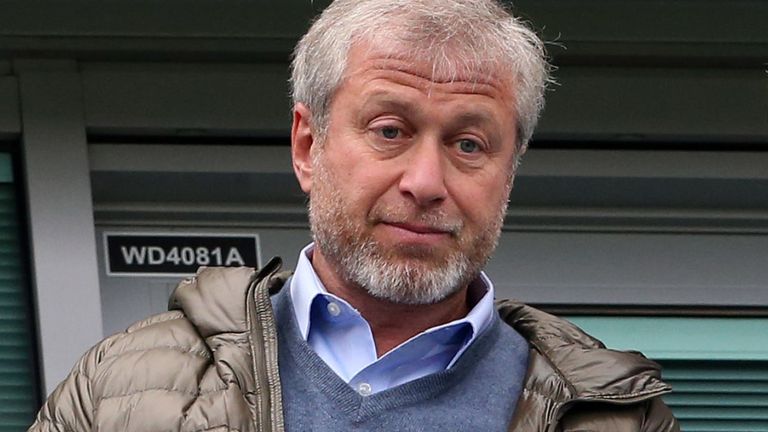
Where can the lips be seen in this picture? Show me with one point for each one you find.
(418, 224)
(420, 229)
(416, 236)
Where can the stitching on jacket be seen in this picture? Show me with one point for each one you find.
(625, 395)
(214, 428)
(149, 389)
(153, 320)
(187, 350)
(166, 389)
(54, 422)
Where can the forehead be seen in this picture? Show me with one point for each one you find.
(441, 66)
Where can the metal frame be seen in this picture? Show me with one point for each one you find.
(61, 228)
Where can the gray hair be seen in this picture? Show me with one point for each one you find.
(476, 36)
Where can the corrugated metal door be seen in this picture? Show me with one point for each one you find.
(19, 395)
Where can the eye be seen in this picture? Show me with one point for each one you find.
(389, 132)
(468, 146)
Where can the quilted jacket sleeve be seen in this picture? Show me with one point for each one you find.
(659, 418)
(70, 407)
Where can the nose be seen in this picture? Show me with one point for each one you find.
(423, 178)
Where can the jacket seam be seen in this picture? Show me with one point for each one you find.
(166, 389)
(212, 428)
(171, 315)
(54, 422)
(614, 396)
(196, 352)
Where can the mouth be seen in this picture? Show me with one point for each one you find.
(417, 234)
(420, 229)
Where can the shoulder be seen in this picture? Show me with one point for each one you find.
(576, 356)
(211, 302)
(168, 352)
(568, 348)
(163, 351)
(206, 311)
(574, 365)
(202, 310)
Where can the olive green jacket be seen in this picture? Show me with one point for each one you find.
(210, 364)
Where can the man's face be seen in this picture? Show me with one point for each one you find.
(409, 188)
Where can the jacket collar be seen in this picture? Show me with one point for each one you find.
(582, 368)
(214, 300)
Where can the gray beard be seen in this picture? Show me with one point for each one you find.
(403, 281)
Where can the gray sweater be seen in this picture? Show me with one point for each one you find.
(478, 393)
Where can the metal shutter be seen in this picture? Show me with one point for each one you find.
(718, 396)
(718, 366)
(19, 396)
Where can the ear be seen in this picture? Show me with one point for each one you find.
(302, 140)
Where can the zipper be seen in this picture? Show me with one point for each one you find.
(263, 342)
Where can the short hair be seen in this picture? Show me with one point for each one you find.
(478, 36)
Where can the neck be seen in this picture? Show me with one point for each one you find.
(391, 323)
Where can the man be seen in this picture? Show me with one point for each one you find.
(409, 119)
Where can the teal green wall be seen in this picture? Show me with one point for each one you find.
(676, 338)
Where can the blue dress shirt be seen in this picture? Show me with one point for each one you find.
(342, 337)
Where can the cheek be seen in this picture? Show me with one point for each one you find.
(372, 179)
(357, 191)
(481, 199)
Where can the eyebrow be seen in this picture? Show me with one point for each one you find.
(475, 117)
(383, 100)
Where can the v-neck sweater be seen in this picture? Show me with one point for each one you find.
(479, 392)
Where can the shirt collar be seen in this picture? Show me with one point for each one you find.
(305, 286)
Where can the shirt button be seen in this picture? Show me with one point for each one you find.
(364, 389)
(334, 309)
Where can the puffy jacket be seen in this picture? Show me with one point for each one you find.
(210, 364)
